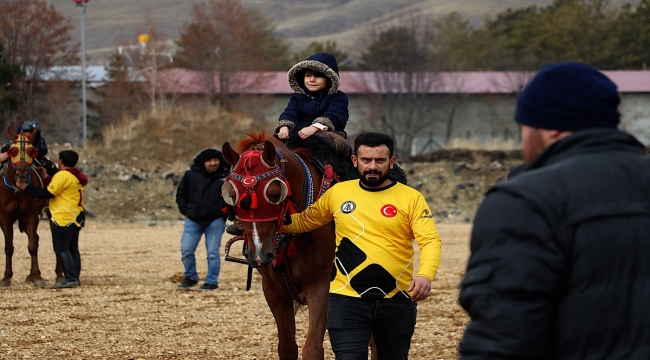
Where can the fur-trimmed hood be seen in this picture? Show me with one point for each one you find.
(323, 63)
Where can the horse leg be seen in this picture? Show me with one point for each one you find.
(281, 305)
(373, 348)
(317, 300)
(35, 273)
(8, 231)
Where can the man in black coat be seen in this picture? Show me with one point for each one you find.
(199, 199)
(560, 263)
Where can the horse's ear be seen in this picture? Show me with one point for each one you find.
(12, 136)
(269, 153)
(30, 136)
(229, 154)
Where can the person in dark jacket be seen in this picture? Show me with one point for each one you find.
(199, 200)
(317, 103)
(31, 126)
(560, 254)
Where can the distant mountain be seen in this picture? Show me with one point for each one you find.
(110, 23)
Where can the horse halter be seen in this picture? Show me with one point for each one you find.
(22, 153)
(250, 180)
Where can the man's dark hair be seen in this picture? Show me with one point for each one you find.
(373, 139)
(69, 158)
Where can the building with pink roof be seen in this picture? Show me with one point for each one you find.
(472, 106)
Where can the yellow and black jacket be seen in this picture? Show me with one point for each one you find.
(375, 229)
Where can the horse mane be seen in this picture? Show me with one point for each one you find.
(303, 153)
(254, 138)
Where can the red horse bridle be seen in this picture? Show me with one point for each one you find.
(250, 179)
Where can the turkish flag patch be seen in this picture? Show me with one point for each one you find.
(389, 210)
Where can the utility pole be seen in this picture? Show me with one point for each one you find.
(82, 7)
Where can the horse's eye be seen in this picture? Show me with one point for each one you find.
(31, 152)
(274, 195)
(13, 152)
(276, 191)
(229, 193)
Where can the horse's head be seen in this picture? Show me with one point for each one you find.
(257, 189)
(21, 154)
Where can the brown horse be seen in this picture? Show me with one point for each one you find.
(267, 181)
(16, 205)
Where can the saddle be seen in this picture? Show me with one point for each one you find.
(335, 142)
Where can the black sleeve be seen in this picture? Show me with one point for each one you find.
(6, 146)
(182, 193)
(42, 148)
(513, 280)
(38, 192)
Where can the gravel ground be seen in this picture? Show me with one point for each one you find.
(128, 306)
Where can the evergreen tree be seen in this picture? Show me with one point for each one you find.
(8, 99)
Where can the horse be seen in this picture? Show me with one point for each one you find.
(268, 181)
(16, 205)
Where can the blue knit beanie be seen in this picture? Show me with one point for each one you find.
(569, 96)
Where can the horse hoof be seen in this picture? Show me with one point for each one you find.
(5, 283)
(59, 280)
(40, 283)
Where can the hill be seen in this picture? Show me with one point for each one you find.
(117, 22)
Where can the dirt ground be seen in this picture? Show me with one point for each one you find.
(128, 306)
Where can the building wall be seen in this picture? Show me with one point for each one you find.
(478, 119)
(635, 115)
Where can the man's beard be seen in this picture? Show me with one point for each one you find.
(373, 182)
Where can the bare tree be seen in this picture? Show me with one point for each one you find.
(396, 61)
(36, 37)
(146, 61)
(61, 121)
(123, 95)
(223, 40)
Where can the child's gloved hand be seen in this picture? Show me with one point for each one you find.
(283, 134)
(307, 131)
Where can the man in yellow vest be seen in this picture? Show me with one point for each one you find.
(374, 286)
(65, 192)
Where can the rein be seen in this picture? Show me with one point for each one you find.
(17, 191)
(12, 186)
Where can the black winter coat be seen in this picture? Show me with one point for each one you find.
(199, 193)
(328, 107)
(560, 263)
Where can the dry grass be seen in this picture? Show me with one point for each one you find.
(176, 133)
(490, 144)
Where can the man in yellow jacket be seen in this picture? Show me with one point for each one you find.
(374, 288)
(65, 192)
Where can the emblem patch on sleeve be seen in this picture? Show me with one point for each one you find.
(348, 207)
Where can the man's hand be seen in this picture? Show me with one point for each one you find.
(307, 131)
(283, 134)
(421, 288)
(239, 224)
